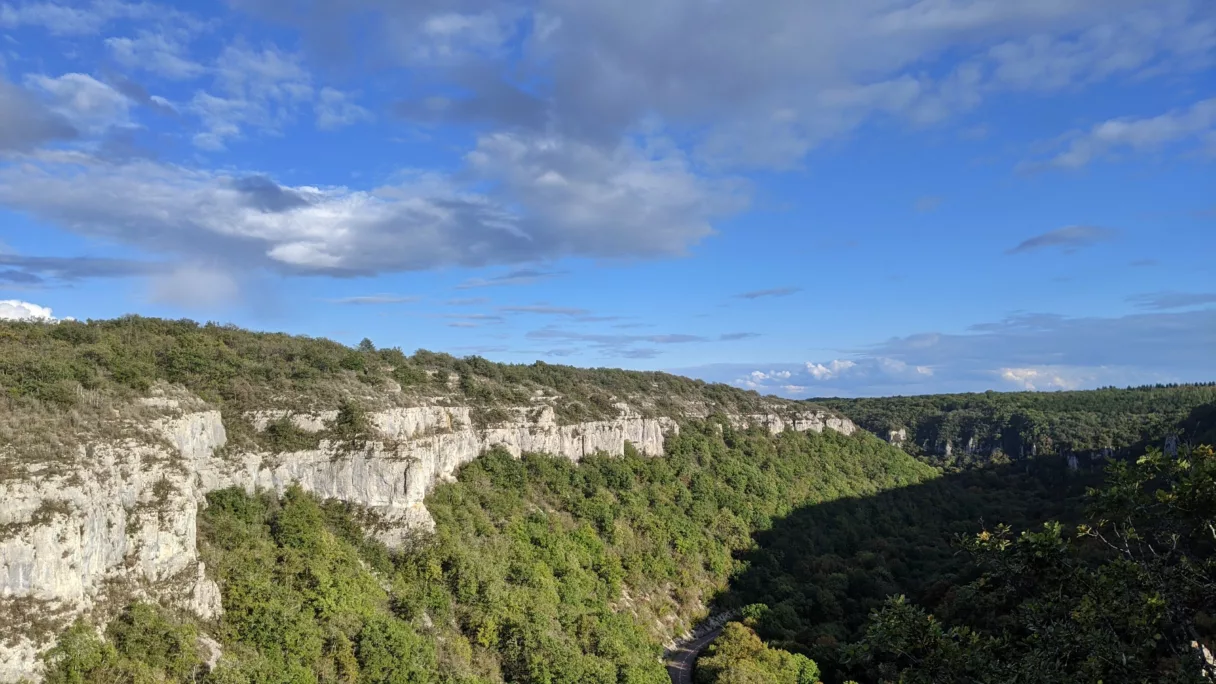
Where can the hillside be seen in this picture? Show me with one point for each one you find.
(954, 430)
(115, 432)
(229, 506)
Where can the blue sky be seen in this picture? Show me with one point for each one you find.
(806, 197)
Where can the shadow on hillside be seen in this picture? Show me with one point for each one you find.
(824, 568)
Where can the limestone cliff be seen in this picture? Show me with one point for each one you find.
(120, 521)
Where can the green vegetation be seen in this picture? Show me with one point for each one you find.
(55, 363)
(539, 569)
(62, 380)
(845, 557)
(1127, 598)
(813, 579)
(738, 656)
(999, 426)
(143, 644)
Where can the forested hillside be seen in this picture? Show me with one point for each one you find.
(539, 570)
(843, 557)
(955, 430)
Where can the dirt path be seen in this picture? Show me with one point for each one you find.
(681, 658)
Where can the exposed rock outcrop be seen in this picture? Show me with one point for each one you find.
(122, 523)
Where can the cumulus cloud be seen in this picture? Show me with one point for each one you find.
(1046, 378)
(555, 200)
(587, 195)
(1069, 239)
(17, 310)
(751, 86)
(1195, 123)
(832, 370)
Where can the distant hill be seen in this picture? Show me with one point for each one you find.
(961, 429)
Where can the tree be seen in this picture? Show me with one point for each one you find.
(1127, 599)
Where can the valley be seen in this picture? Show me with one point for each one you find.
(231, 506)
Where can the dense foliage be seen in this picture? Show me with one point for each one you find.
(955, 430)
(70, 363)
(1128, 598)
(738, 656)
(813, 578)
(539, 569)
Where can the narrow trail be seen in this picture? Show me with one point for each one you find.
(682, 656)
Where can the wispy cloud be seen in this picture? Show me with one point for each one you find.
(545, 310)
(1039, 350)
(467, 301)
(519, 276)
(925, 205)
(377, 299)
(1196, 122)
(1165, 301)
(36, 269)
(731, 337)
(1069, 239)
(617, 345)
(773, 292)
(475, 317)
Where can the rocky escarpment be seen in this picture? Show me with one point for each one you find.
(121, 521)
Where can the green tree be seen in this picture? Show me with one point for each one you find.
(1127, 599)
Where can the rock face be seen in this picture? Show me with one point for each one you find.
(123, 524)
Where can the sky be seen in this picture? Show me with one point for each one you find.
(804, 197)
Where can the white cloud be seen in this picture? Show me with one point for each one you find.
(17, 310)
(1039, 351)
(564, 200)
(1197, 122)
(1046, 378)
(614, 201)
(69, 19)
(452, 37)
(761, 85)
(260, 89)
(156, 53)
(832, 370)
(335, 110)
(90, 105)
